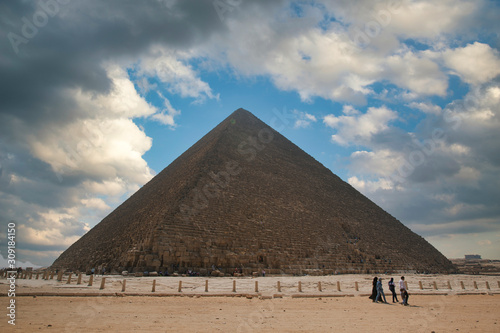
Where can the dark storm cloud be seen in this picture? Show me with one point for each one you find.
(434, 168)
(470, 228)
(43, 248)
(68, 51)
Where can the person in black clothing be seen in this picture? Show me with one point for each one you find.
(374, 289)
(406, 296)
(392, 288)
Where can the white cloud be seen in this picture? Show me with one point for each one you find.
(175, 73)
(304, 119)
(381, 163)
(96, 203)
(145, 86)
(167, 115)
(359, 128)
(370, 186)
(123, 99)
(48, 236)
(424, 20)
(301, 123)
(310, 117)
(475, 63)
(458, 149)
(430, 20)
(349, 110)
(99, 153)
(327, 62)
(416, 73)
(103, 148)
(297, 55)
(107, 145)
(426, 107)
(332, 72)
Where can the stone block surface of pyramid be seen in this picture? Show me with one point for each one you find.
(246, 197)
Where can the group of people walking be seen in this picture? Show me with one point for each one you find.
(378, 291)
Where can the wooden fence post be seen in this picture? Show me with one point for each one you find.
(103, 282)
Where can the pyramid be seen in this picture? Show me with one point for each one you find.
(246, 197)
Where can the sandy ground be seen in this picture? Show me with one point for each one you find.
(443, 310)
(238, 314)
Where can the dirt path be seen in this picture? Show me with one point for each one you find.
(478, 313)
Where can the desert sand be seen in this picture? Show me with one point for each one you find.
(194, 310)
(236, 314)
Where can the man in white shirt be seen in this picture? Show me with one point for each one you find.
(402, 289)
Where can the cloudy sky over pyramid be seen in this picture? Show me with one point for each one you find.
(401, 99)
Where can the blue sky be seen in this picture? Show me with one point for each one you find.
(398, 98)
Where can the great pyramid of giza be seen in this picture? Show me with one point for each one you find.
(246, 197)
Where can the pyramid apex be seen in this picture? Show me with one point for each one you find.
(243, 116)
(241, 112)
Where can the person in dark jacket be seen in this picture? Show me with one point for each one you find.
(392, 288)
(374, 289)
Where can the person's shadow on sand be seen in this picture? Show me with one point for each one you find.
(412, 306)
(409, 305)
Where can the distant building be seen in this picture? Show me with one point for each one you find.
(472, 257)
